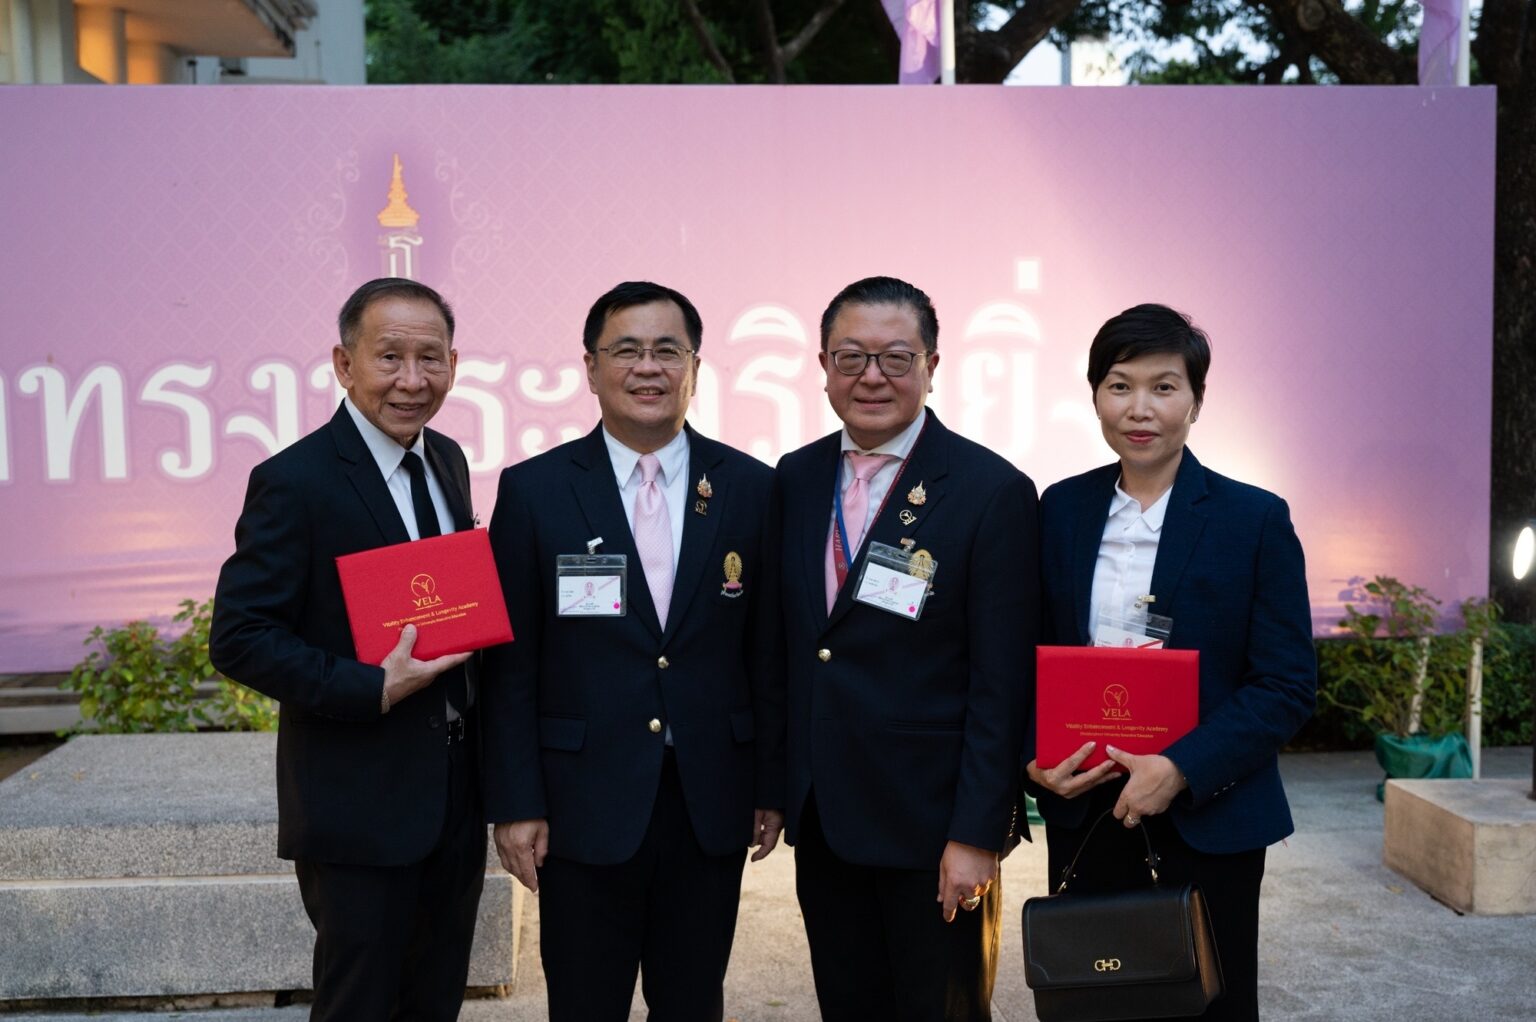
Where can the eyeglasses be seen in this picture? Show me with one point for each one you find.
(667, 356)
(852, 361)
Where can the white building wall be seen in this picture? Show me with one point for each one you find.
(330, 50)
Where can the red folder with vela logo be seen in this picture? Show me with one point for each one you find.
(446, 586)
(1139, 700)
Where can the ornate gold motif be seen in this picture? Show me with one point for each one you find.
(921, 565)
(704, 489)
(399, 212)
(701, 507)
(917, 496)
(732, 585)
(906, 517)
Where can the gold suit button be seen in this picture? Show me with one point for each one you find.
(655, 726)
(663, 662)
(824, 655)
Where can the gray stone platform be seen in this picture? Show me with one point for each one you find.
(146, 865)
(1471, 844)
(1344, 938)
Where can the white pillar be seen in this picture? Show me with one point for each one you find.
(23, 68)
(947, 42)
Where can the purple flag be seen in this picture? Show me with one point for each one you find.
(917, 22)
(1439, 42)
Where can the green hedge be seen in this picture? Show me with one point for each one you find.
(1509, 671)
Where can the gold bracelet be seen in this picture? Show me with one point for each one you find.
(384, 700)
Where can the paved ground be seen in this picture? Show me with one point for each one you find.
(1344, 938)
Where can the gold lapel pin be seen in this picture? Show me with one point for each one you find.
(701, 507)
(704, 489)
(906, 517)
(917, 496)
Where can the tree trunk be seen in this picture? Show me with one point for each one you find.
(1514, 338)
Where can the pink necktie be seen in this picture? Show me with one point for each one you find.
(855, 508)
(653, 536)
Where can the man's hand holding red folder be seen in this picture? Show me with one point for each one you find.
(404, 675)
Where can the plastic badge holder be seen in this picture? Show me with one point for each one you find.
(591, 585)
(896, 581)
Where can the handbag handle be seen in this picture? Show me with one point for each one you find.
(1071, 870)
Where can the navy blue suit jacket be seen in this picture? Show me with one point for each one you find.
(1230, 573)
(908, 729)
(353, 786)
(567, 705)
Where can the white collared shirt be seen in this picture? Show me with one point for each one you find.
(899, 446)
(390, 457)
(1127, 551)
(673, 482)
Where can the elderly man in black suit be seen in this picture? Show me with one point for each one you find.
(906, 715)
(634, 743)
(377, 797)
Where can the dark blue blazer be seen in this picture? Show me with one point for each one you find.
(908, 730)
(567, 705)
(1229, 572)
(353, 786)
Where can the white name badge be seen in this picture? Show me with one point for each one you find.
(590, 585)
(1124, 638)
(1136, 628)
(896, 581)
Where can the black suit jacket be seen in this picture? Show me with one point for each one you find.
(1230, 573)
(353, 786)
(567, 706)
(909, 730)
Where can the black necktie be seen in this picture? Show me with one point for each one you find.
(421, 501)
(427, 526)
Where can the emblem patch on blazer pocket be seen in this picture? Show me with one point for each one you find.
(732, 587)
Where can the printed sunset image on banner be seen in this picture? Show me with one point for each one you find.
(174, 260)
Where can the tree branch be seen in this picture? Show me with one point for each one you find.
(1339, 40)
(706, 41)
(772, 55)
(1497, 46)
(988, 56)
(802, 39)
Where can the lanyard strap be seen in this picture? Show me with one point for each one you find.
(840, 542)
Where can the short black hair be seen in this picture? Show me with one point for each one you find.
(885, 291)
(1150, 330)
(350, 319)
(639, 292)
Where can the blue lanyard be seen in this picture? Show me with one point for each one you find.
(837, 508)
(837, 499)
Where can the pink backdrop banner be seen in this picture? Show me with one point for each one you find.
(172, 260)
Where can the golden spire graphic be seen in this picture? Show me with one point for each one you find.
(399, 212)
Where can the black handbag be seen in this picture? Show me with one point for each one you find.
(1145, 953)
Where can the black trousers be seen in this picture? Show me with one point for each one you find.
(392, 942)
(880, 948)
(1116, 860)
(669, 913)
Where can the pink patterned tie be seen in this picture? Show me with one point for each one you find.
(653, 536)
(855, 508)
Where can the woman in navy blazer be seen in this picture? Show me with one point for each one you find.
(1221, 559)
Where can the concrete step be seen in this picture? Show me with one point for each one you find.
(146, 866)
(34, 704)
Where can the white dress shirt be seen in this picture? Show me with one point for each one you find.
(673, 480)
(390, 457)
(1128, 550)
(899, 446)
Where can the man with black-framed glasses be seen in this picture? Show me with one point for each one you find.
(634, 731)
(910, 607)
